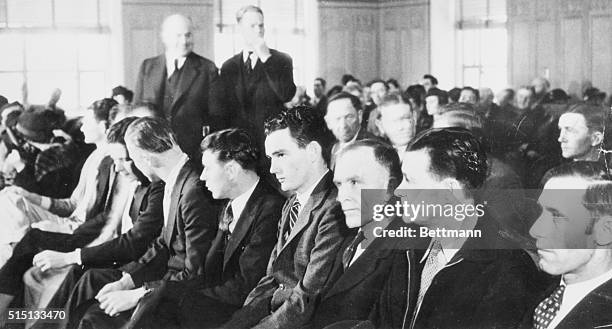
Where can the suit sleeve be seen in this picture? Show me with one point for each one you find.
(253, 260)
(217, 110)
(138, 93)
(132, 244)
(279, 75)
(298, 308)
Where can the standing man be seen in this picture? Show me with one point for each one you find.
(179, 83)
(319, 100)
(311, 227)
(258, 80)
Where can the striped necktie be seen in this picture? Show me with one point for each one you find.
(293, 217)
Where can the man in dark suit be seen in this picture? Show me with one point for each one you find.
(258, 80)
(366, 261)
(189, 228)
(343, 117)
(240, 252)
(573, 238)
(181, 85)
(311, 227)
(48, 250)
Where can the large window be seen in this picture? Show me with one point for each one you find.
(482, 42)
(50, 44)
(284, 23)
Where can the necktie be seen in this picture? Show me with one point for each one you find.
(548, 308)
(248, 64)
(293, 217)
(227, 219)
(431, 268)
(175, 72)
(349, 253)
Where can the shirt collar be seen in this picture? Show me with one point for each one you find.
(303, 197)
(240, 201)
(170, 61)
(173, 175)
(245, 56)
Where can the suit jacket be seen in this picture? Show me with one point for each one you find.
(273, 87)
(357, 289)
(147, 218)
(299, 270)
(593, 311)
(178, 253)
(192, 101)
(484, 285)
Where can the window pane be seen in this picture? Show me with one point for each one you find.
(471, 47)
(473, 9)
(494, 45)
(42, 84)
(76, 13)
(494, 78)
(29, 13)
(3, 22)
(92, 87)
(11, 56)
(94, 51)
(11, 85)
(471, 77)
(51, 52)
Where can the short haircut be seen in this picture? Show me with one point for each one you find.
(466, 107)
(346, 78)
(334, 90)
(416, 93)
(121, 90)
(594, 115)
(152, 135)
(393, 82)
(467, 119)
(392, 99)
(245, 10)
(384, 154)
(438, 93)
(116, 132)
(454, 152)
(589, 170)
(119, 110)
(371, 82)
(355, 101)
(597, 200)
(454, 94)
(101, 109)
(529, 88)
(431, 78)
(473, 90)
(305, 126)
(323, 82)
(233, 144)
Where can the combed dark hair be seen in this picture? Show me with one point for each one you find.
(346, 78)
(416, 93)
(393, 82)
(246, 9)
(152, 134)
(101, 109)
(438, 93)
(473, 90)
(323, 82)
(305, 126)
(384, 154)
(454, 152)
(589, 170)
(454, 94)
(378, 80)
(345, 95)
(233, 144)
(116, 132)
(594, 115)
(431, 78)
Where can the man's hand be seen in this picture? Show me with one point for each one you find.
(48, 259)
(125, 283)
(116, 302)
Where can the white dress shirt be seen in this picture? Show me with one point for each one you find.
(169, 188)
(574, 293)
(170, 63)
(238, 205)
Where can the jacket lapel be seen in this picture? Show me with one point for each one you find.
(139, 194)
(189, 73)
(251, 208)
(239, 87)
(314, 202)
(175, 198)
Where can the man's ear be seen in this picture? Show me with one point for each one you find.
(360, 116)
(314, 150)
(602, 231)
(456, 188)
(379, 125)
(231, 168)
(596, 138)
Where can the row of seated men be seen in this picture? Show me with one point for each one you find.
(165, 250)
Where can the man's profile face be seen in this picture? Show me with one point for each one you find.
(350, 179)
(123, 163)
(343, 120)
(214, 175)
(318, 88)
(524, 98)
(140, 159)
(574, 136)
(561, 230)
(433, 106)
(289, 163)
(397, 123)
(468, 96)
(251, 26)
(378, 92)
(92, 130)
(427, 84)
(177, 36)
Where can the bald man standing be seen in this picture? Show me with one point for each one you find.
(180, 83)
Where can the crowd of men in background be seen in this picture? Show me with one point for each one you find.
(229, 198)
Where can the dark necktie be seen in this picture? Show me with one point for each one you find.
(176, 69)
(248, 67)
(548, 308)
(349, 253)
(293, 217)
